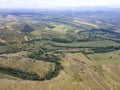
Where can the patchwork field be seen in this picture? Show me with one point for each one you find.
(59, 50)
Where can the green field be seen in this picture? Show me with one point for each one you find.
(104, 43)
(109, 57)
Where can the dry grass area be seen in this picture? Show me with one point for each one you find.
(86, 23)
(21, 62)
(2, 41)
(79, 73)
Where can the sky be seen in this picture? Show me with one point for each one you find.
(56, 3)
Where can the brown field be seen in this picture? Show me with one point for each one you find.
(79, 73)
(25, 64)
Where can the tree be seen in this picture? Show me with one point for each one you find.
(27, 28)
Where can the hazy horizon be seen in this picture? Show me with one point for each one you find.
(40, 4)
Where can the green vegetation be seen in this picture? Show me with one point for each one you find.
(44, 56)
(89, 44)
(3, 49)
(27, 28)
(20, 74)
(81, 47)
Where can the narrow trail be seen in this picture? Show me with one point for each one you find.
(90, 72)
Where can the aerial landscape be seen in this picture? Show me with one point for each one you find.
(59, 48)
